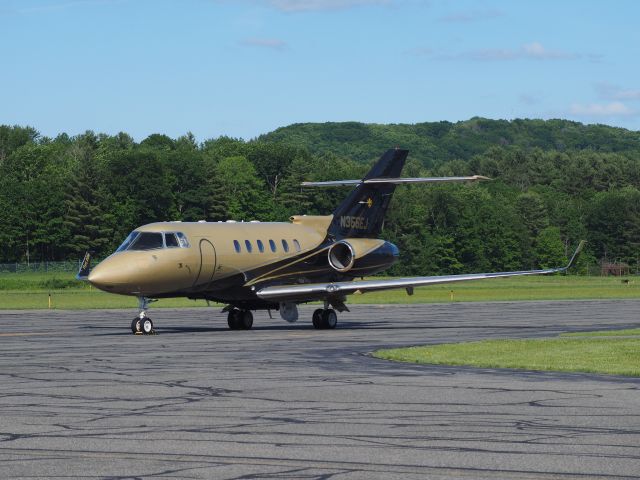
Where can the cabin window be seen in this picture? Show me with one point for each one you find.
(128, 241)
(236, 245)
(296, 245)
(285, 246)
(147, 241)
(260, 246)
(170, 240)
(247, 243)
(272, 245)
(182, 240)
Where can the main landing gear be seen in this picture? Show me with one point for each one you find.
(142, 325)
(325, 318)
(240, 319)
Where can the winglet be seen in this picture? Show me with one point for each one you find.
(575, 255)
(85, 268)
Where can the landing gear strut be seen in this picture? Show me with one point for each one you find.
(142, 325)
(324, 318)
(240, 319)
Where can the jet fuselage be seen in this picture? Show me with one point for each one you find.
(226, 261)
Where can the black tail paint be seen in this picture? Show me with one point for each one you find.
(362, 213)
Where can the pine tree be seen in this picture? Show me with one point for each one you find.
(89, 227)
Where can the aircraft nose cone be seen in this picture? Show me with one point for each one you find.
(97, 277)
(108, 276)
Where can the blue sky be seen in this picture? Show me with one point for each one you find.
(245, 67)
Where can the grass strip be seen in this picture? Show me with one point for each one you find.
(31, 290)
(629, 332)
(614, 356)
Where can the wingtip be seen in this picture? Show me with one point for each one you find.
(576, 254)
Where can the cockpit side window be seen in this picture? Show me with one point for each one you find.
(182, 240)
(128, 241)
(147, 241)
(170, 240)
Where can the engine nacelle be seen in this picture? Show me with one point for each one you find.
(341, 256)
(363, 253)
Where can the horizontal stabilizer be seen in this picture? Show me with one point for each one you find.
(394, 181)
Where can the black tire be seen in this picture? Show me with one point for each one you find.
(135, 325)
(245, 318)
(329, 319)
(317, 318)
(146, 326)
(232, 319)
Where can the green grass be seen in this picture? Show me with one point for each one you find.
(82, 300)
(31, 290)
(629, 332)
(556, 287)
(604, 354)
(38, 281)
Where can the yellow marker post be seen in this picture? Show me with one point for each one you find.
(49, 301)
(451, 295)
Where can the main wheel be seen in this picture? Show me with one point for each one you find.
(329, 318)
(146, 325)
(245, 320)
(136, 327)
(317, 318)
(233, 319)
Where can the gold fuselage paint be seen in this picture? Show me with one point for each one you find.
(211, 258)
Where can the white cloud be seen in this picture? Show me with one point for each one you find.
(272, 43)
(529, 98)
(529, 51)
(421, 51)
(537, 51)
(322, 5)
(302, 6)
(472, 16)
(26, 9)
(611, 109)
(609, 91)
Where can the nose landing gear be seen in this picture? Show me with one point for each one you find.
(142, 325)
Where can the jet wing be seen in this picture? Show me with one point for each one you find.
(316, 291)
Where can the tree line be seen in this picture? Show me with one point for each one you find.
(551, 187)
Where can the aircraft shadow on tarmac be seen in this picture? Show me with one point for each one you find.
(100, 330)
(176, 329)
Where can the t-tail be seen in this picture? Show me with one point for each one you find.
(362, 214)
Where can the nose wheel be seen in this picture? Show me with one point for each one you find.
(142, 325)
(324, 319)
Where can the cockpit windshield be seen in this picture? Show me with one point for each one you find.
(147, 241)
(128, 241)
(152, 240)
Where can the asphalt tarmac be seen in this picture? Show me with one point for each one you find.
(81, 397)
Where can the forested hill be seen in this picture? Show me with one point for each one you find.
(554, 182)
(433, 143)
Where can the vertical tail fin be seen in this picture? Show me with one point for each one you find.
(362, 213)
